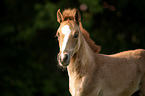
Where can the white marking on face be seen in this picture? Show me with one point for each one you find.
(66, 31)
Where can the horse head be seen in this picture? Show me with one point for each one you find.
(69, 35)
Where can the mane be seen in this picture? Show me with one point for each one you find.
(90, 42)
(69, 14)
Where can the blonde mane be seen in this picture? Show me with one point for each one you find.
(69, 14)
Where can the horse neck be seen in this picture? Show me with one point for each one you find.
(83, 60)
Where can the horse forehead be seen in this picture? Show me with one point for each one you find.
(66, 30)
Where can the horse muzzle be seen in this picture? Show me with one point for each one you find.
(63, 59)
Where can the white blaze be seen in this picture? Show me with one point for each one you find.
(66, 31)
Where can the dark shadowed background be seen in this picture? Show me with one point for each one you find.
(28, 46)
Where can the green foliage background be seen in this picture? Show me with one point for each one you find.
(28, 47)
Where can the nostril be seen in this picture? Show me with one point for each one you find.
(65, 57)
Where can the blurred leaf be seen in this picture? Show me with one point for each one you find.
(93, 5)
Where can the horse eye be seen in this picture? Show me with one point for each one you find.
(75, 35)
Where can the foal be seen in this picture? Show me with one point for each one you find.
(94, 74)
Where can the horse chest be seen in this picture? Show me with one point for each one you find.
(75, 85)
(84, 87)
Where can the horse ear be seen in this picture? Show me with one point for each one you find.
(77, 16)
(59, 16)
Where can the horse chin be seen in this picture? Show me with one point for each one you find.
(64, 64)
